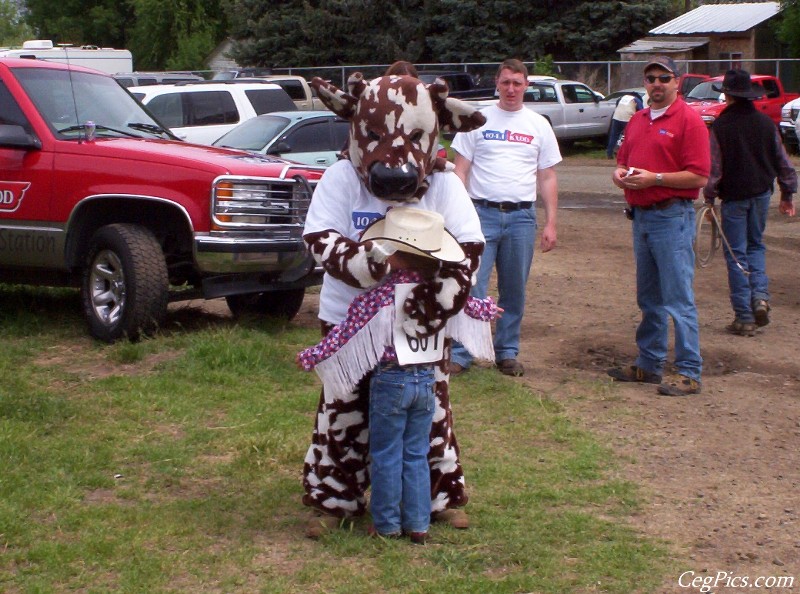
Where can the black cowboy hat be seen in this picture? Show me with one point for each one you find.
(737, 84)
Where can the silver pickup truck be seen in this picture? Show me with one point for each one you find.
(575, 111)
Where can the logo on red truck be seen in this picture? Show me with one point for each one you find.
(11, 195)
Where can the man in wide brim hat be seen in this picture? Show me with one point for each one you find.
(747, 156)
(737, 83)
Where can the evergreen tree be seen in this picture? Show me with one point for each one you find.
(588, 31)
(326, 32)
(336, 32)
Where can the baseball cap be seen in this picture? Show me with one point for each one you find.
(664, 62)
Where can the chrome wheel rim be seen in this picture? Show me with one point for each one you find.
(107, 287)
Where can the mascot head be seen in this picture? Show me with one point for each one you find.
(394, 130)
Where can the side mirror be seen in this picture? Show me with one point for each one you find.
(13, 136)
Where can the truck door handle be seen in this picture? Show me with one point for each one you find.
(322, 161)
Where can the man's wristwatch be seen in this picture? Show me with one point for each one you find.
(659, 179)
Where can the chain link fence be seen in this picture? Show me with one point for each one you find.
(604, 77)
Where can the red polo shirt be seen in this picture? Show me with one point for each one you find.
(676, 141)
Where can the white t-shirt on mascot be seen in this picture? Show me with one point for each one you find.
(521, 141)
(342, 203)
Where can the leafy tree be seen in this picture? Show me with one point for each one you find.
(789, 28)
(13, 29)
(161, 34)
(95, 22)
(175, 34)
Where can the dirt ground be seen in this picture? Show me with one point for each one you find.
(720, 471)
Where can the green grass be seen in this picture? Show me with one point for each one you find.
(174, 465)
(587, 149)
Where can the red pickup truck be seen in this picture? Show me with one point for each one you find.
(96, 194)
(710, 103)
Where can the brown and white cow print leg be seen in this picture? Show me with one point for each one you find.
(336, 472)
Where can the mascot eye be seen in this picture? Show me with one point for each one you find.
(416, 136)
(373, 136)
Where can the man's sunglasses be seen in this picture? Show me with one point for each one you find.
(662, 78)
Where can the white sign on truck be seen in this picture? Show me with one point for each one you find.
(104, 59)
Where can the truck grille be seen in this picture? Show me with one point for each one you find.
(794, 112)
(258, 203)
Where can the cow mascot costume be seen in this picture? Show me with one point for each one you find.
(390, 161)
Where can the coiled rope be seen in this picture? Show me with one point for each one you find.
(715, 238)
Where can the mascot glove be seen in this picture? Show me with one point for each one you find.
(413, 329)
(381, 251)
(418, 317)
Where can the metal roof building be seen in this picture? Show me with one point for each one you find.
(664, 45)
(719, 18)
(711, 39)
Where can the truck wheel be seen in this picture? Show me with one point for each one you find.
(275, 304)
(125, 285)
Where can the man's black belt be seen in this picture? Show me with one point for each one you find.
(661, 205)
(503, 206)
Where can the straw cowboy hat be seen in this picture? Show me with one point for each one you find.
(737, 84)
(416, 231)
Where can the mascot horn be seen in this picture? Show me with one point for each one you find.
(395, 132)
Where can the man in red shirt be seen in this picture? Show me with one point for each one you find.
(661, 165)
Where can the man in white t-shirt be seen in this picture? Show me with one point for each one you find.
(502, 164)
(627, 105)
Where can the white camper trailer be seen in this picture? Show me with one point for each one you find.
(104, 59)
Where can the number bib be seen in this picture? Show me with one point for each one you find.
(410, 349)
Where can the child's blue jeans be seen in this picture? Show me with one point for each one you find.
(400, 415)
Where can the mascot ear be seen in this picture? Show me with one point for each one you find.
(341, 103)
(454, 115)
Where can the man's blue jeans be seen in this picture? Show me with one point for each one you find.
(401, 409)
(743, 222)
(510, 238)
(662, 245)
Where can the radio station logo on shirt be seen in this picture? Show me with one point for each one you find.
(11, 195)
(362, 219)
(507, 136)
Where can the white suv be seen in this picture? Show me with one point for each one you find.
(203, 111)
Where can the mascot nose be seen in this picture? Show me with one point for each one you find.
(393, 183)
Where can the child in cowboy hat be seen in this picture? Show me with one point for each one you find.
(373, 338)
